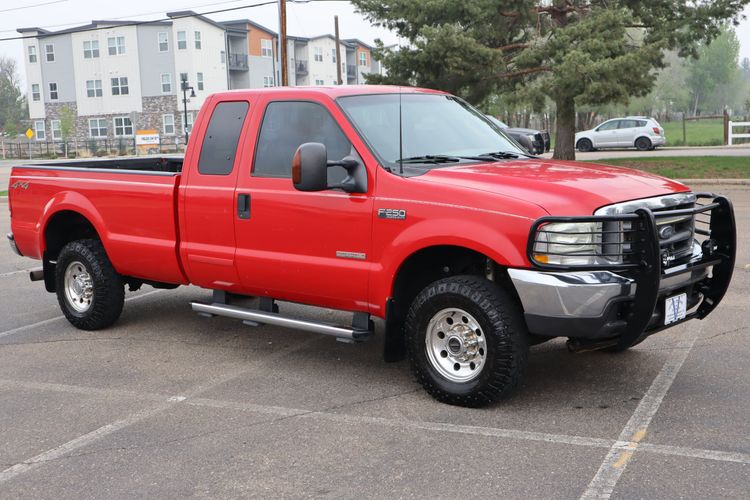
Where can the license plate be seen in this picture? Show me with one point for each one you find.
(675, 308)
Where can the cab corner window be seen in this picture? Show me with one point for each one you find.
(219, 148)
(289, 124)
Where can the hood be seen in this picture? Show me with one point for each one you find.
(560, 187)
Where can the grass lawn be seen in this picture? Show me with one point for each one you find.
(3, 193)
(698, 133)
(688, 167)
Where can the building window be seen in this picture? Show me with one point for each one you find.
(32, 53)
(363, 58)
(183, 80)
(188, 125)
(98, 127)
(163, 41)
(266, 47)
(123, 126)
(56, 130)
(318, 54)
(91, 49)
(53, 91)
(166, 83)
(223, 57)
(199, 80)
(333, 55)
(36, 93)
(49, 50)
(268, 81)
(93, 88)
(197, 37)
(319, 82)
(182, 40)
(39, 130)
(116, 45)
(168, 122)
(120, 86)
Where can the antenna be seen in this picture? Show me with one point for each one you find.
(400, 136)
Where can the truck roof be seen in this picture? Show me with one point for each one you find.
(332, 91)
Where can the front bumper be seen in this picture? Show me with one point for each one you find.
(627, 303)
(12, 242)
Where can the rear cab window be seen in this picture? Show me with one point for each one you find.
(219, 148)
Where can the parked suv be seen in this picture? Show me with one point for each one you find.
(536, 142)
(641, 132)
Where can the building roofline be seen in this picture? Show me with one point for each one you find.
(190, 13)
(253, 24)
(93, 24)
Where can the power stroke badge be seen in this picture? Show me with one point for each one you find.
(392, 213)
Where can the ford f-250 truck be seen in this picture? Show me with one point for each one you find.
(398, 203)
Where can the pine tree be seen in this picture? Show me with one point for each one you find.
(575, 52)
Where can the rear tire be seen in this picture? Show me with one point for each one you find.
(466, 340)
(643, 144)
(90, 292)
(585, 146)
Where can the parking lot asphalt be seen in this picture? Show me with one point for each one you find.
(166, 404)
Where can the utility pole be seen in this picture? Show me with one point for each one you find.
(282, 41)
(338, 50)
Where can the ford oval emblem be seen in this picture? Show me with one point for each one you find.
(666, 232)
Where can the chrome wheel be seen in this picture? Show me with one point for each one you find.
(456, 346)
(79, 287)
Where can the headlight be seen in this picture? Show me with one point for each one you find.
(569, 243)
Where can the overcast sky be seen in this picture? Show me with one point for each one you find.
(302, 19)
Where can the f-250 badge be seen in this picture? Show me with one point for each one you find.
(20, 184)
(392, 213)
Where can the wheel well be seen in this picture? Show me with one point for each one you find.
(64, 227)
(583, 139)
(643, 137)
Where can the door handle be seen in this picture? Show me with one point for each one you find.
(243, 206)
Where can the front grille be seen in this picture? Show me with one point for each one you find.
(676, 234)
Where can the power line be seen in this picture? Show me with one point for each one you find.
(32, 6)
(140, 23)
(126, 17)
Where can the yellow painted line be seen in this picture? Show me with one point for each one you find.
(623, 460)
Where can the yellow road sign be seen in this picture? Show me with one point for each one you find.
(29, 133)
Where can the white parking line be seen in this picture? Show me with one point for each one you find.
(108, 429)
(20, 329)
(616, 461)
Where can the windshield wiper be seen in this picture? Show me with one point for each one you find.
(506, 155)
(430, 159)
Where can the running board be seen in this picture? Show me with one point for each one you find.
(361, 330)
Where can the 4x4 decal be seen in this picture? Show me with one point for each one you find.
(20, 184)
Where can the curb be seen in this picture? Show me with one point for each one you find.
(716, 182)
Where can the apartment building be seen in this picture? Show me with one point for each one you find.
(119, 77)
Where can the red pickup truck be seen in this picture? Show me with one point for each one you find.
(399, 203)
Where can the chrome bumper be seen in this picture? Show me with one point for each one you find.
(12, 242)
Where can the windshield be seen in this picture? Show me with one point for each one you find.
(433, 125)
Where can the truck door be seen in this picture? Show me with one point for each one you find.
(207, 204)
(309, 247)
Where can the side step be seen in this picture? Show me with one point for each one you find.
(362, 326)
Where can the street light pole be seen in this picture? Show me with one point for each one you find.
(185, 88)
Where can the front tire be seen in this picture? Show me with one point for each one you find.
(466, 340)
(90, 292)
(585, 146)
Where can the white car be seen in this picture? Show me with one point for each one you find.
(641, 132)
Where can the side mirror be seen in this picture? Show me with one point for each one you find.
(310, 167)
(310, 170)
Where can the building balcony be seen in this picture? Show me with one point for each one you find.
(301, 68)
(238, 62)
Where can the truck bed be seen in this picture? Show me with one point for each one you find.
(131, 203)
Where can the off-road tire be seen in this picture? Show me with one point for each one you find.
(585, 146)
(506, 339)
(643, 144)
(108, 288)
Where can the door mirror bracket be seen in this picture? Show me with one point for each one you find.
(310, 170)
